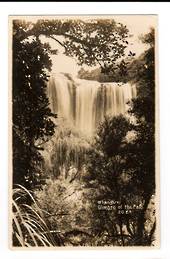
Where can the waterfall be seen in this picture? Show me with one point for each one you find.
(84, 103)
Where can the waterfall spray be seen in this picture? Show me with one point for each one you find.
(84, 103)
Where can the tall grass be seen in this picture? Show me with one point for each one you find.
(29, 226)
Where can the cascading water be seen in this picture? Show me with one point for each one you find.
(84, 103)
(80, 106)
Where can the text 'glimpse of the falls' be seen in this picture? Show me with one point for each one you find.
(84, 103)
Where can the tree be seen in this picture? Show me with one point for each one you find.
(123, 160)
(92, 41)
(32, 125)
(107, 166)
(143, 109)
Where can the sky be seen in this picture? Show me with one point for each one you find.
(137, 24)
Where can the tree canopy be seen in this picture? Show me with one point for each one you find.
(93, 41)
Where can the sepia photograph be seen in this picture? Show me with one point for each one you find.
(84, 131)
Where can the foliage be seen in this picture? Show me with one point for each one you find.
(143, 108)
(129, 69)
(68, 208)
(30, 227)
(31, 123)
(122, 72)
(115, 164)
(127, 168)
(107, 165)
(96, 75)
(69, 149)
(91, 41)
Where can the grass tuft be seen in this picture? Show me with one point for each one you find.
(29, 226)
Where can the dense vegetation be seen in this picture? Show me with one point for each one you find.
(32, 125)
(119, 163)
(122, 72)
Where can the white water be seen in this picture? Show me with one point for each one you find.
(84, 103)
